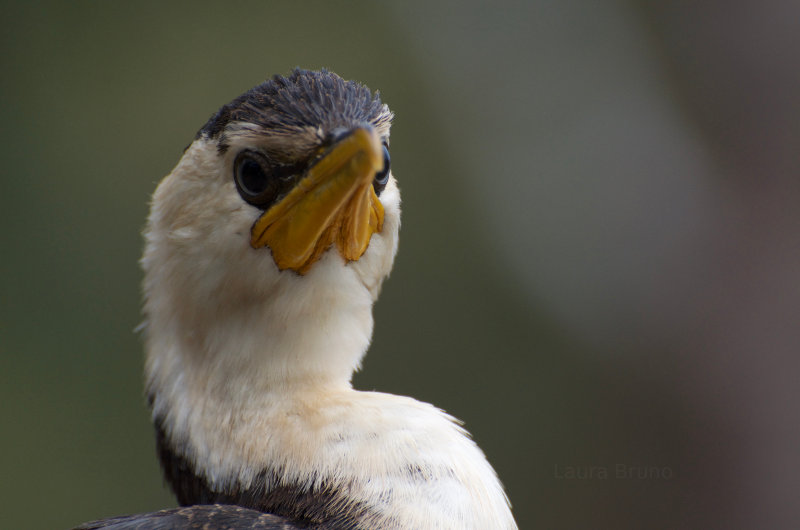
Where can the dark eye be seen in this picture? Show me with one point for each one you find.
(254, 179)
(382, 176)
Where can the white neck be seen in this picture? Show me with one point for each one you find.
(310, 332)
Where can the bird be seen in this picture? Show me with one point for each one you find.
(265, 250)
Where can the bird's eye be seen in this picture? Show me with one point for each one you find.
(382, 176)
(254, 179)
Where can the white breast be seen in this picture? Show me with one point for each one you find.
(409, 462)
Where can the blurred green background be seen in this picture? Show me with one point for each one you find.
(598, 263)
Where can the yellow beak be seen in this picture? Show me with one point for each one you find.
(334, 203)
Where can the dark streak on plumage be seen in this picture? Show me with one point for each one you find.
(304, 99)
(216, 517)
(322, 508)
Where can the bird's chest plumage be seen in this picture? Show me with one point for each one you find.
(377, 461)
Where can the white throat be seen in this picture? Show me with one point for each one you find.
(309, 330)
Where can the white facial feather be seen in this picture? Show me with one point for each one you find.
(250, 367)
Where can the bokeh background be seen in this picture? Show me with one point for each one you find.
(599, 262)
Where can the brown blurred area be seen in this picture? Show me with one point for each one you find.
(599, 268)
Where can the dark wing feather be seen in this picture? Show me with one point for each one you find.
(214, 516)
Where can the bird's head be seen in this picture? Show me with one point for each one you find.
(272, 235)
